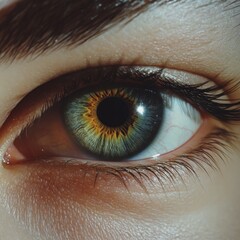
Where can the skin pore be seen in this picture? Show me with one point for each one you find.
(51, 201)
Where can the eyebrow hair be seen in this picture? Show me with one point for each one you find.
(35, 26)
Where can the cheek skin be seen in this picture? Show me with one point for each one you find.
(76, 209)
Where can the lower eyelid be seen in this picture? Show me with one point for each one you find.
(103, 190)
(55, 186)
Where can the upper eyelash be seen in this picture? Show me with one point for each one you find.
(212, 100)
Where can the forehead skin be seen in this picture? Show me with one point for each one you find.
(200, 37)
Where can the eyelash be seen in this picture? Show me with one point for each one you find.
(211, 99)
(168, 170)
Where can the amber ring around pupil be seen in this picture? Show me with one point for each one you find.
(114, 123)
(114, 112)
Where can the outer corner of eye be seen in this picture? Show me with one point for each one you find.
(118, 121)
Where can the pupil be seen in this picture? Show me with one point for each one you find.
(113, 111)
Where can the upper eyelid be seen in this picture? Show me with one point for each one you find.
(192, 78)
(56, 86)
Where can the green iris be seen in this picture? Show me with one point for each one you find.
(114, 123)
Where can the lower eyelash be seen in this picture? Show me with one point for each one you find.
(212, 146)
(216, 145)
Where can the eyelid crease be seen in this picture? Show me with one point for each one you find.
(209, 99)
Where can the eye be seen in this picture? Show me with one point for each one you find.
(115, 122)
(112, 123)
(122, 114)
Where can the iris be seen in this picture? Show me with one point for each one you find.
(114, 122)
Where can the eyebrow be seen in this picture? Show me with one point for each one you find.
(35, 26)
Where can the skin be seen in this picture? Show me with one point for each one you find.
(40, 201)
